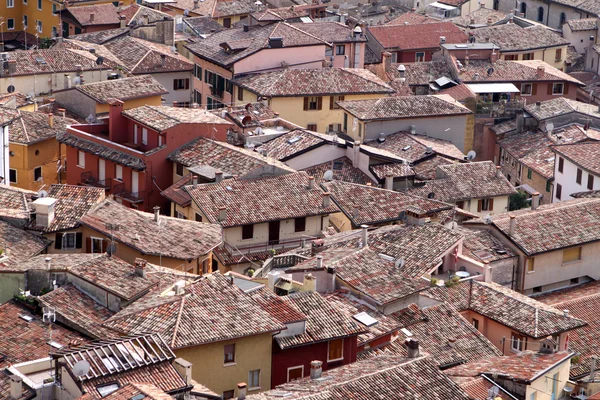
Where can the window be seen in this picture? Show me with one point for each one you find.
(227, 22)
(54, 9)
(561, 164)
(336, 350)
(81, 159)
(54, 32)
(524, 9)
(334, 128)
(247, 232)
(180, 215)
(517, 342)
(419, 56)
(181, 84)
(135, 134)
(511, 57)
(563, 19)
(39, 4)
(359, 130)
(333, 100)
(300, 224)
(537, 289)
(558, 191)
(10, 24)
(71, 240)
(529, 173)
(476, 323)
(37, 174)
(240, 94)
(179, 169)
(197, 97)
(540, 16)
(527, 56)
(526, 89)
(25, 2)
(144, 136)
(531, 264)
(533, 396)
(160, 140)
(555, 380)
(328, 51)
(228, 394)
(558, 54)
(198, 71)
(198, 217)
(340, 50)
(294, 373)
(96, 244)
(311, 127)
(571, 255)
(548, 186)
(579, 174)
(574, 281)
(10, 3)
(312, 103)
(25, 21)
(229, 354)
(485, 205)
(254, 379)
(38, 25)
(118, 172)
(12, 175)
(590, 183)
(557, 88)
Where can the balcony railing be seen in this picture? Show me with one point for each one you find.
(499, 109)
(120, 192)
(216, 92)
(266, 246)
(87, 178)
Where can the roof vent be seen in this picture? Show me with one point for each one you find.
(381, 137)
(276, 42)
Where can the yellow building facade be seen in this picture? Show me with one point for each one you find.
(34, 166)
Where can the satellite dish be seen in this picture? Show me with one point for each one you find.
(490, 71)
(487, 219)
(10, 89)
(431, 195)
(111, 249)
(186, 12)
(42, 193)
(90, 119)
(100, 60)
(471, 155)
(246, 120)
(328, 175)
(493, 392)
(549, 126)
(81, 368)
(399, 263)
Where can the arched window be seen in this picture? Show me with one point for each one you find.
(540, 14)
(563, 19)
(524, 9)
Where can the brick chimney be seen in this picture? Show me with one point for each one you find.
(140, 267)
(316, 369)
(62, 112)
(535, 201)
(117, 123)
(317, 246)
(541, 70)
(326, 199)
(494, 56)
(412, 346)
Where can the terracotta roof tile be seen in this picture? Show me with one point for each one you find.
(584, 24)
(55, 60)
(103, 14)
(203, 25)
(330, 31)
(414, 37)
(296, 142)
(162, 118)
(284, 13)
(585, 155)
(411, 18)
(478, 388)
(513, 71)
(590, 194)
(417, 146)
(18, 245)
(459, 92)
(100, 37)
(170, 237)
(123, 89)
(284, 311)
(139, 391)
(480, 17)
(343, 170)
(33, 127)
(5, 392)
(512, 37)
(176, 192)
(481, 245)
(427, 169)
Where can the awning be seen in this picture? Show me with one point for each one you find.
(442, 6)
(492, 88)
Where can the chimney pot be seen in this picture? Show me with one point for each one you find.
(355, 211)
(194, 181)
(451, 342)
(51, 120)
(326, 199)
(319, 262)
(412, 346)
(389, 182)
(365, 235)
(218, 176)
(242, 390)
(222, 213)
(538, 105)
(316, 369)
(566, 313)
(535, 201)
(311, 182)
(16, 387)
(541, 70)
(512, 226)
(156, 213)
(498, 171)
(140, 267)
(174, 104)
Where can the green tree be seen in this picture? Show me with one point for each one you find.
(518, 201)
(45, 43)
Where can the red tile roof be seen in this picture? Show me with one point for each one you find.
(343, 170)
(585, 155)
(416, 37)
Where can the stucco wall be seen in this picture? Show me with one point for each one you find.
(10, 284)
(568, 180)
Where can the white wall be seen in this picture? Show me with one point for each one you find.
(286, 232)
(4, 163)
(45, 83)
(166, 79)
(316, 156)
(579, 39)
(567, 179)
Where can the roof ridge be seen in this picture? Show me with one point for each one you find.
(306, 33)
(555, 206)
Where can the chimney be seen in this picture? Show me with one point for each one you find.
(489, 20)
(494, 57)
(520, 121)
(487, 271)
(538, 105)
(365, 235)
(512, 226)
(535, 201)
(123, 21)
(316, 369)
(146, 19)
(355, 211)
(389, 182)
(412, 346)
(317, 246)
(355, 154)
(311, 182)
(156, 213)
(194, 181)
(184, 368)
(498, 171)
(115, 119)
(386, 59)
(246, 28)
(51, 120)
(541, 71)
(67, 81)
(566, 313)
(175, 104)
(310, 283)
(91, 17)
(218, 176)
(326, 199)
(48, 260)
(163, 60)
(242, 391)
(16, 387)
(44, 211)
(140, 267)
(401, 72)
(319, 262)
(62, 112)
(593, 364)
(222, 213)
(451, 342)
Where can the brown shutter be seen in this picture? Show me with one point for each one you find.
(174, 84)
(331, 102)
(534, 89)
(558, 54)
(58, 241)
(549, 88)
(479, 205)
(78, 240)
(319, 103)
(187, 83)
(88, 245)
(566, 88)
(305, 103)
(491, 205)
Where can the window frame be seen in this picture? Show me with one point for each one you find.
(329, 350)
(561, 164)
(530, 93)
(579, 176)
(333, 102)
(530, 265)
(475, 323)
(178, 169)
(10, 172)
(144, 136)
(248, 232)
(118, 167)
(578, 249)
(299, 222)
(35, 173)
(337, 50)
(8, 20)
(10, 3)
(80, 156)
(250, 380)
(240, 93)
(562, 88)
(311, 127)
(312, 103)
(65, 240)
(226, 359)
(590, 181)
(420, 58)
(38, 26)
(94, 238)
(40, 4)
(301, 367)
(25, 20)
(198, 217)
(529, 173)
(521, 341)
(558, 192)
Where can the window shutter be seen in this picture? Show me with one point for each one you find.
(319, 103)
(331, 102)
(534, 89)
(88, 245)
(58, 241)
(78, 240)
(174, 84)
(491, 205)
(187, 83)
(550, 88)
(566, 88)
(558, 54)
(479, 205)
(305, 103)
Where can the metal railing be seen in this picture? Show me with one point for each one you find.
(132, 197)
(266, 246)
(87, 178)
(498, 109)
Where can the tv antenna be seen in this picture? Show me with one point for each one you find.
(49, 314)
(112, 248)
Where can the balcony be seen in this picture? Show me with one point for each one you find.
(266, 246)
(87, 178)
(502, 109)
(216, 92)
(134, 198)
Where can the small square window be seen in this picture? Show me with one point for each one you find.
(10, 3)
(228, 394)
(198, 217)
(10, 24)
(335, 350)
(537, 289)
(13, 175)
(247, 232)
(311, 127)
(526, 89)
(69, 241)
(574, 281)
(229, 354)
(517, 342)
(300, 224)
(179, 169)
(340, 50)
(419, 57)
(557, 88)
(571, 255)
(105, 390)
(295, 373)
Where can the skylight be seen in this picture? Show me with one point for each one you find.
(406, 332)
(56, 345)
(365, 319)
(25, 317)
(294, 139)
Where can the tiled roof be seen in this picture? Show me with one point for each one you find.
(513, 71)
(123, 89)
(561, 106)
(330, 31)
(78, 310)
(19, 245)
(481, 245)
(284, 13)
(58, 262)
(231, 160)
(511, 37)
(384, 377)
(100, 37)
(256, 39)
(478, 388)
(16, 203)
(378, 205)
(26, 341)
(524, 367)
(177, 194)
(225, 8)
(295, 143)
(138, 391)
(403, 107)
(585, 155)
(313, 82)
(162, 118)
(416, 36)
(343, 170)
(416, 73)
(204, 25)
(590, 194)
(323, 321)
(8, 115)
(103, 14)
(20, 99)
(582, 302)
(381, 171)
(584, 24)
(479, 17)
(466, 181)
(426, 169)
(101, 150)
(212, 310)
(412, 18)
(33, 127)
(433, 327)
(253, 201)
(55, 60)
(459, 92)
(170, 237)
(553, 226)
(257, 111)
(72, 203)
(283, 311)
(416, 146)
(5, 393)
(134, 12)
(507, 307)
